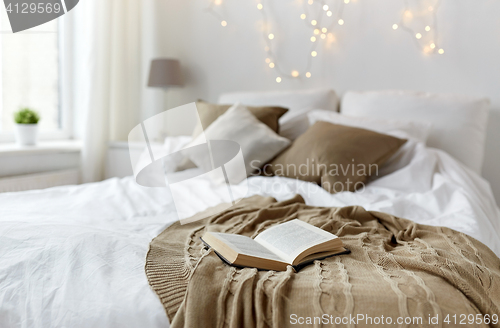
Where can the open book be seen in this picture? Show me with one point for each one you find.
(293, 243)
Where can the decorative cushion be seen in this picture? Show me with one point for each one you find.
(208, 113)
(258, 142)
(337, 157)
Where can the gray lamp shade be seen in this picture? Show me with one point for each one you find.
(165, 73)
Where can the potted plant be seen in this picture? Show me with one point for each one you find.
(26, 126)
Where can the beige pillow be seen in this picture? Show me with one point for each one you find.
(208, 113)
(258, 143)
(337, 157)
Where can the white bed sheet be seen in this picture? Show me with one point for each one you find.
(74, 256)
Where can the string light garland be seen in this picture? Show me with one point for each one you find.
(319, 17)
(424, 17)
(211, 10)
(322, 19)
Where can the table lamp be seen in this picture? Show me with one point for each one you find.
(165, 73)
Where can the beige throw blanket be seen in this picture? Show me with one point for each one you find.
(396, 269)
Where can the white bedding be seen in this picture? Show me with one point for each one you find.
(74, 256)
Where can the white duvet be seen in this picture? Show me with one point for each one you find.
(74, 256)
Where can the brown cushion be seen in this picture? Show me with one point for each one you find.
(337, 157)
(208, 113)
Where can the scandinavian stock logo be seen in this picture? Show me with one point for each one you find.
(25, 14)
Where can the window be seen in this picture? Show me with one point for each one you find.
(30, 77)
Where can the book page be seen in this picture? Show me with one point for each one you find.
(247, 246)
(290, 239)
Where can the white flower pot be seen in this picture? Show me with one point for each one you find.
(26, 134)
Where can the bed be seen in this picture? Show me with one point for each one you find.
(74, 256)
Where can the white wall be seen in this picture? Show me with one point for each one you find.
(367, 55)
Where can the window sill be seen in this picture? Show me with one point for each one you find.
(44, 147)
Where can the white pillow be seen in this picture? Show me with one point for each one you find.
(458, 122)
(413, 129)
(298, 102)
(258, 142)
(295, 124)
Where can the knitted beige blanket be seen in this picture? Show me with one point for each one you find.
(410, 274)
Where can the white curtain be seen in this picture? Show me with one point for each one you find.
(108, 46)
